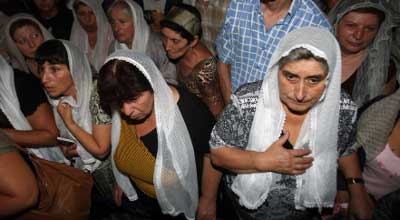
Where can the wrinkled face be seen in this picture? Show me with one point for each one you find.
(28, 39)
(57, 80)
(45, 5)
(86, 18)
(301, 84)
(175, 45)
(140, 108)
(356, 31)
(122, 25)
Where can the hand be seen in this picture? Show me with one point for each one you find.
(65, 111)
(278, 159)
(69, 151)
(118, 195)
(361, 206)
(207, 209)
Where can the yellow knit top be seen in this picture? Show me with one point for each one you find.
(134, 159)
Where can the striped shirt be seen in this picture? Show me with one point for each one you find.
(246, 44)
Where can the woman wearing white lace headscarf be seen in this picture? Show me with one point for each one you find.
(67, 80)
(364, 32)
(300, 96)
(159, 140)
(28, 117)
(91, 32)
(22, 46)
(133, 33)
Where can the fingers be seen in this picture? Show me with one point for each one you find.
(73, 147)
(62, 107)
(282, 140)
(118, 195)
(301, 164)
(69, 151)
(72, 152)
(300, 152)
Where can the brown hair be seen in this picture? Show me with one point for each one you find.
(377, 12)
(119, 82)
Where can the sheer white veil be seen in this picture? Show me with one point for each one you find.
(104, 34)
(10, 106)
(319, 132)
(175, 178)
(17, 58)
(82, 77)
(142, 30)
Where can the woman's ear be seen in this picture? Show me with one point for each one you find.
(194, 42)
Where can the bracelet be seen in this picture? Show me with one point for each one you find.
(357, 180)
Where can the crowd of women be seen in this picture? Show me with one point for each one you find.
(132, 97)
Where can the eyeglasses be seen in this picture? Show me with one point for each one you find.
(32, 36)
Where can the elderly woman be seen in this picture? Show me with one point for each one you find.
(132, 32)
(196, 66)
(25, 115)
(24, 34)
(364, 31)
(283, 137)
(159, 141)
(91, 32)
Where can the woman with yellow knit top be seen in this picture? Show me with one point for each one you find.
(159, 141)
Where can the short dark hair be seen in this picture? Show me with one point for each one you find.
(22, 23)
(179, 29)
(52, 51)
(119, 82)
(302, 53)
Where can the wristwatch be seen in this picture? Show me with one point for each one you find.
(357, 180)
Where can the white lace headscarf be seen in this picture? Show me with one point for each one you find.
(10, 106)
(141, 29)
(17, 58)
(319, 132)
(174, 178)
(372, 73)
(82, 76)
(105, 36)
